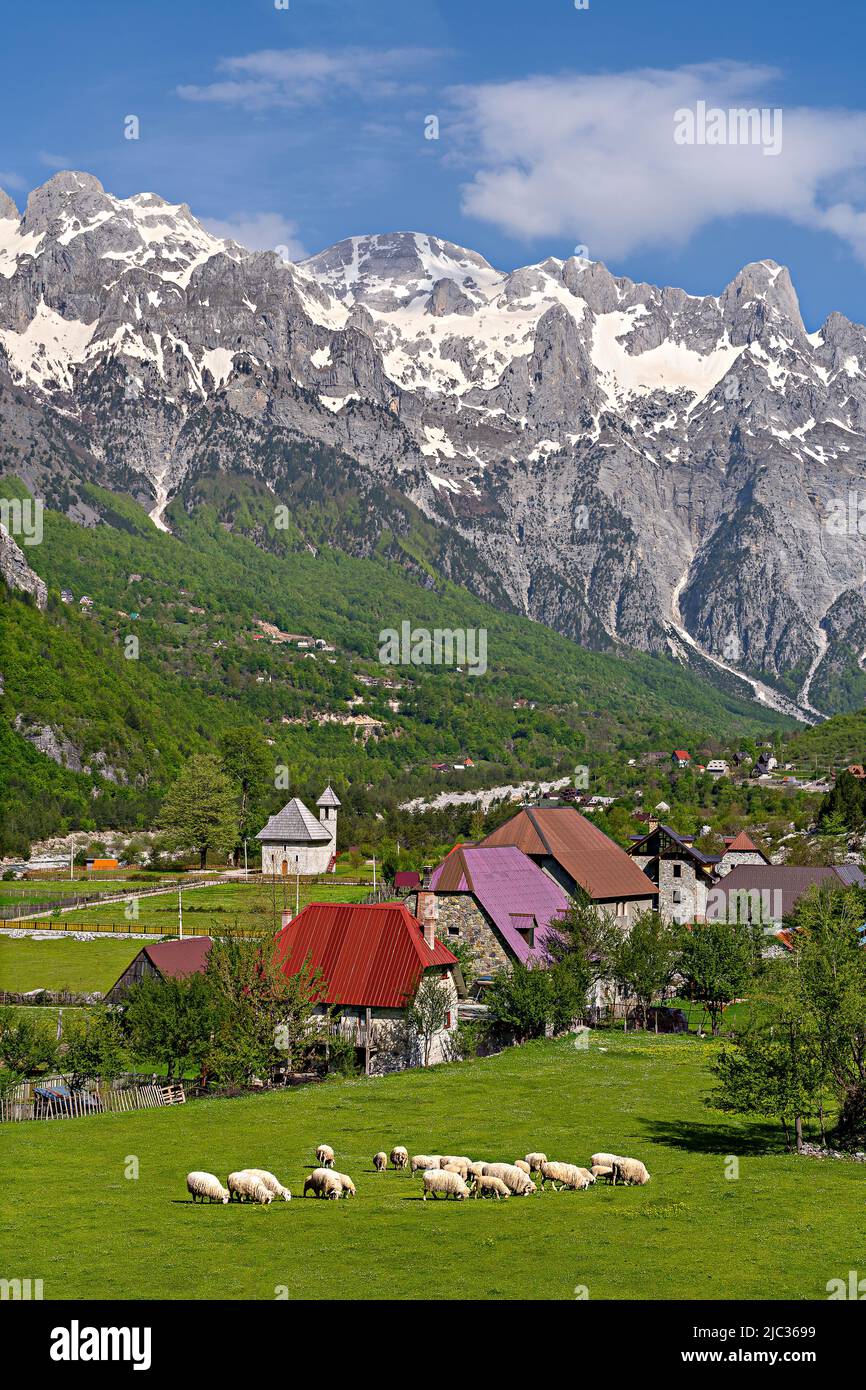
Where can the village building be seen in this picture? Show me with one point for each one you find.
(681, 873)
(294, 842)
(494, 900)
(163, 960)
(373, 958)
(740, 850)
(766, 894)
(764, 766)
(680, 757)
(579, 857)
(718, 767)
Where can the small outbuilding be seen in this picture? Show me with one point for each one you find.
(163, 960)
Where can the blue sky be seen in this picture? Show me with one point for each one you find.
(303, 125)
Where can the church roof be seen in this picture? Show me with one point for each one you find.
(295, 825)
(328, 797)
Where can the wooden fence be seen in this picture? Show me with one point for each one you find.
(131, 928)
(82, 1103)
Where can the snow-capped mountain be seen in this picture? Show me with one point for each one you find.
(630, 464)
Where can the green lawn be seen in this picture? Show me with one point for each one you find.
(79, 966)
(221, 908)
(780, 1231)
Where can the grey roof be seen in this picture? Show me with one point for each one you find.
(328, 797)
(295, 825)
(790, 880)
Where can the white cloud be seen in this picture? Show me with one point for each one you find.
(260, 231)
(8, 179)
(594, 158)
(301, 77)
(54, 161)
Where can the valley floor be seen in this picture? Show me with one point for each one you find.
(781, 1230)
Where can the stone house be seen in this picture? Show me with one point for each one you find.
(294, 842)
(494, 900)
(579, 857)
(373, 958)
(682, 874)
(740, 850)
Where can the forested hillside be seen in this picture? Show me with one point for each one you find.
(130, 711)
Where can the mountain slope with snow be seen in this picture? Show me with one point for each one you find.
(626, 463)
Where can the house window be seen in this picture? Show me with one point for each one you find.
(678, 897)
(678, 870)
(528, 934)
(453, 931)
(447, 1018)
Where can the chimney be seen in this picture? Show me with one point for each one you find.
(427, 911)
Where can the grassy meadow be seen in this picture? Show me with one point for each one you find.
(780, 1230)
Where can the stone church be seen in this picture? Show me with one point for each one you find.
(294, 842)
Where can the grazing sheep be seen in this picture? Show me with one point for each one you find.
(453, 1158)
(325, 1155)
(380, 1161)
(243, 1185)
(322, 1182)
(605, 1160)
(270, 1182)
(345, 1182)
(456, 1166)
(522, 1165)
(476, 1170)
(200, 1184)
(535, 1161)
(630, 1170)
(567, 1175)
(400, 1156)
(514, 1178)
(425, 1161)
(437, 1180)
(602, 1170)
(489, 1187)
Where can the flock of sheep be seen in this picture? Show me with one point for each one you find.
(447, 1174)
(457, 1176)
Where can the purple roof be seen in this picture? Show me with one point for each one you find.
(511, 889)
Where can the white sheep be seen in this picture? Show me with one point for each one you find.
(453, 1158)
(400, 1156)
(270, 1182)
(201, 1184)
(483, 1186)
(322, 1182)
(535, 1161)
(630, 1170)
(380, 1161)
(436, 1180)
(325, 1155)
(345, 1182)
(602, 1170)
(523, 1166)
(476, 1170)
(456, 1166)
(424, 1161)
(567, 1175)
(243, 1185)
(605, 1160)
(515, 1180)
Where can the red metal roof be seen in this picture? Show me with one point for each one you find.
(370, 955)
(174, 959)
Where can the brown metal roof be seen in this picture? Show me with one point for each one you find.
(593, 860)
(175, 959)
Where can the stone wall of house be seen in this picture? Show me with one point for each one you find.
(312, 859)
(730, 861)
(459, 918)
(681, 898)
